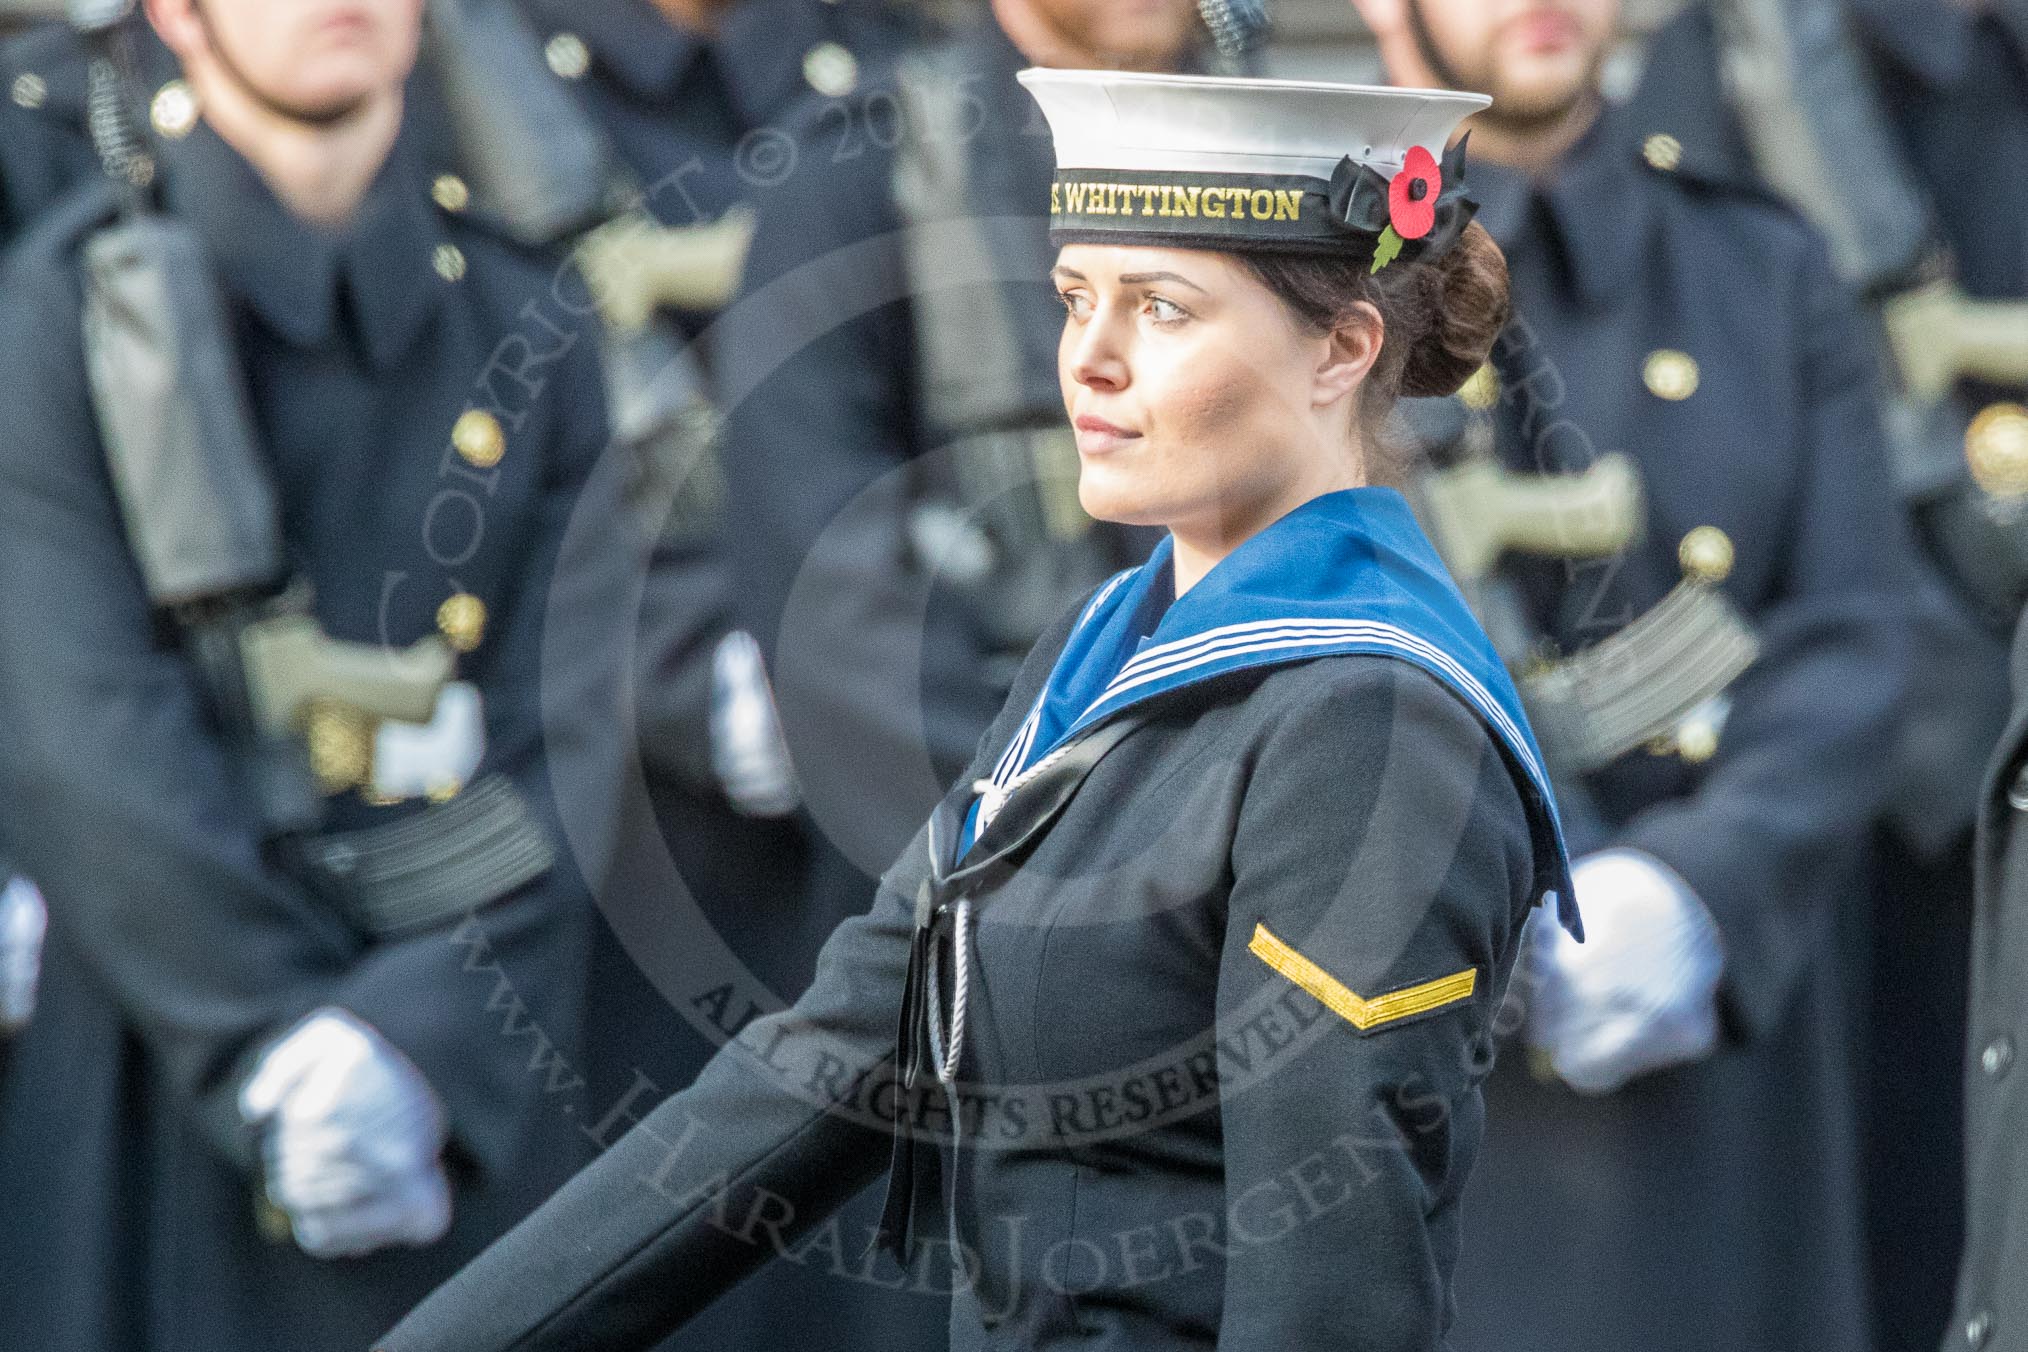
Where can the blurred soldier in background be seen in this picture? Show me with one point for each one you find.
(1923, 109)
(283, 510)
(894, 422)
(1672, 1163)
(686, 95)
(43, 148)
(700, 96)
(701, 105)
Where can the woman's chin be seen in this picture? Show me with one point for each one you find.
(1109, 496)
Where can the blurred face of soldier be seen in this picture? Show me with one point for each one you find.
(1539, 59)
(1197, 400)
(317, 62)
(1114, 34)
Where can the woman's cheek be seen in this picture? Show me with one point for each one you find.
(1205, 416)
(1216, 382)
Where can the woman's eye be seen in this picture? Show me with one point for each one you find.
(1078, 305)
(1165, 311)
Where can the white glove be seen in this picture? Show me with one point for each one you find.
(351, 1141)
(748, 752)
(23, 920)
(414, 759)
(1640, 992)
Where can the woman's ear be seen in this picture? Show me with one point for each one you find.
(178, 24)
(1347, 354)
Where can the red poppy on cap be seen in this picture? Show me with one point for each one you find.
(1412, 194)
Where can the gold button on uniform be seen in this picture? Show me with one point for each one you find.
(1662, 151)
(567, 56)
(1706, 554)
(29, 90)
(1996, 448)
(1670, 374)
(173, 111)
(340, 741)
(449, 261)
(462, 619)
(1481, 389)
(831, 70)
(443, 790)
(477, 436)
(450, 193)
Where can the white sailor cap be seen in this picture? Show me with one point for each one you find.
(1255, 165)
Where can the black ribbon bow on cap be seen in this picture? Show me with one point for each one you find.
(1358, 196)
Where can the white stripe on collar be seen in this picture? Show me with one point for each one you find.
(1011, 760)
(1273, 635)
(1017, 749)
(1112, 585)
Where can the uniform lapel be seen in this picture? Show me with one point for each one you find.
(274, 263)
(1601, 214)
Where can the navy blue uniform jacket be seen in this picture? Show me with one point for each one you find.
(1166, 1141)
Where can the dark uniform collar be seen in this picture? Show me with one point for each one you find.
(758, 49)
(629, 40)
(761, 47)
(375, 278)
(1591, 211)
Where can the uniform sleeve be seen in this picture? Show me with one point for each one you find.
(881, 693)
(1381, 870)
(120, 802)
(715, 1181)
(1801, 765)
(784, 1126)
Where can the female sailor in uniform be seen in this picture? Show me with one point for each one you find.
(1195, 970)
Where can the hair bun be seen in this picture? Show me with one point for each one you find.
(1464, 294)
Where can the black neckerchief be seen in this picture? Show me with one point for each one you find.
(1027, 814)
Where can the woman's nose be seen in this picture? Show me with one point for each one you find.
(1096, 360)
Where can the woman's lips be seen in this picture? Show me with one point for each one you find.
(1096, 436)
(346, 23)
(1546, 30)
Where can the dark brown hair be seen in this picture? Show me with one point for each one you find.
(1441, 319)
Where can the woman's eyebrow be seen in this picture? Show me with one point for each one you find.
(1139, 278)
(1131, 278)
